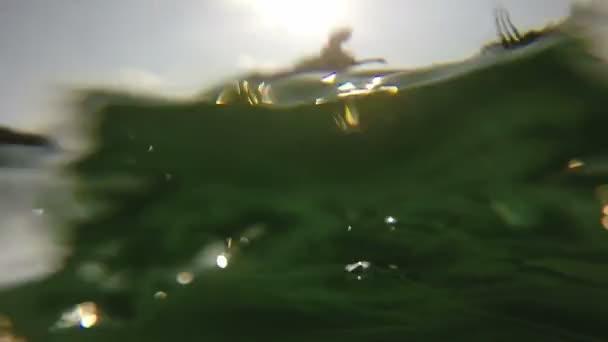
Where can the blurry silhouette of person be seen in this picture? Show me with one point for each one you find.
(333, 57)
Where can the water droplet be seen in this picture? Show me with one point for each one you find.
(320, 101)
(168, 176)
(151, 148)
(85, 315)
(393, 267)
(349, 228)
(358, 266)
(185, 278)
(244, 240)
(222, 261)
(206, 257)
(375, 82)
(348, 86)
(88, 321)
(575, 164)
(392, 90)
(349, 119)
(390, 220)
(160, 295)
(38, 211)
(329, 79)
(351, 116)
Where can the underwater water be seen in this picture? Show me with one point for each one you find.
(461, 203)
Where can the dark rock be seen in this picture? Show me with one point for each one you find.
(12, 137)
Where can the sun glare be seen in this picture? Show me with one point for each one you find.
(302, 16)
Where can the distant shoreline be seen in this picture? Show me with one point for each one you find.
(12, 137)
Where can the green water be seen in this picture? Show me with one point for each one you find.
(458, 195)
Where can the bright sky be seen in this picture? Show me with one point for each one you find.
(186, 45)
